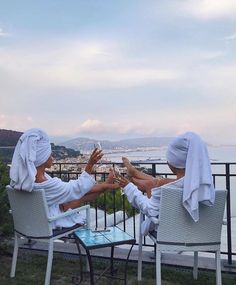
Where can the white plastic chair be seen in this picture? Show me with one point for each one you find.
(31, 220)
(176, 230)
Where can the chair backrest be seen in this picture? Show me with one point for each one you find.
(30, 212)
(177, 226)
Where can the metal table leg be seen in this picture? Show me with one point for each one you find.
(111, 261)
(90, 267)
(126, 264)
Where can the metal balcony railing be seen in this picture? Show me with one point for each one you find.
(224, 177)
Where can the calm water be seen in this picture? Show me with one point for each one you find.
(217, 154)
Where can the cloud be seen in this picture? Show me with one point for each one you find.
(3, 34)
(176, 122)
(208, 9)
(91, 125)
(81, 65)
(16, 122)
(209, 55)
(113, 127)
(221, 79)
(231, 37)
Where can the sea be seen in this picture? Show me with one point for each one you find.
(216, 154)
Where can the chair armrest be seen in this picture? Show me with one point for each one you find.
(155, 220)
(68, 213)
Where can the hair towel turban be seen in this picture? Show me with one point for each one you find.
(32, 150)
(190, 152)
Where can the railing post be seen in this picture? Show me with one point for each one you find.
(60, 169)
(228, 211)
(154, 169)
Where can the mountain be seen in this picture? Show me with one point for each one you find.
(9, 137)
(8, 140)
(85, 144)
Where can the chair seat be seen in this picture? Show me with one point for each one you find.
(62, 230)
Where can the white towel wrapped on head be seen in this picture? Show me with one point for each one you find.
(190, 152)
(32, 150)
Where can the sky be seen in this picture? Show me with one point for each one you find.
(114, 69)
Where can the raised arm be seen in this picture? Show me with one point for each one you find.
(94, 158)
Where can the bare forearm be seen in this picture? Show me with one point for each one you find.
(78, 202)
(89, 168)
(97, 190)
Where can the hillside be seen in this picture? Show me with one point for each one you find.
(9, 138)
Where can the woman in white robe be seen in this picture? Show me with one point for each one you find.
(188, 159)
(31, 158)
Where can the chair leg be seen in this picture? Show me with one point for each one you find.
(14, 258)
(158, 267)
(49, 263)
(140, 246)
(195, 266)
(218, 268)
(88, 217)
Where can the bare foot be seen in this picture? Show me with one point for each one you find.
(130, 168)
(111, 176)
(144, 185)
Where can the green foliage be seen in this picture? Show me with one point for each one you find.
(5, 217)
(61, 152)
(113, 202)
(6, 154)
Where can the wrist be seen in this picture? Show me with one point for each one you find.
(89, 168)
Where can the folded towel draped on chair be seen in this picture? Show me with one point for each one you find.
(190, 152)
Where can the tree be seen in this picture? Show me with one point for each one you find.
(6, 223)
(113, 202)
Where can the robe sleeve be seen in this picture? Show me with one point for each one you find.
(148, 206)
(58, 191)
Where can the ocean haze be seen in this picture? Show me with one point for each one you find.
(85, 144)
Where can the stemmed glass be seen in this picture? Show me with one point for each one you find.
(117, 174)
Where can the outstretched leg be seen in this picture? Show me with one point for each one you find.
(134, 172)
(145, 185)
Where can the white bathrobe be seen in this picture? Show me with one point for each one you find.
(57, 192)
(32, 150)
(148, 206)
